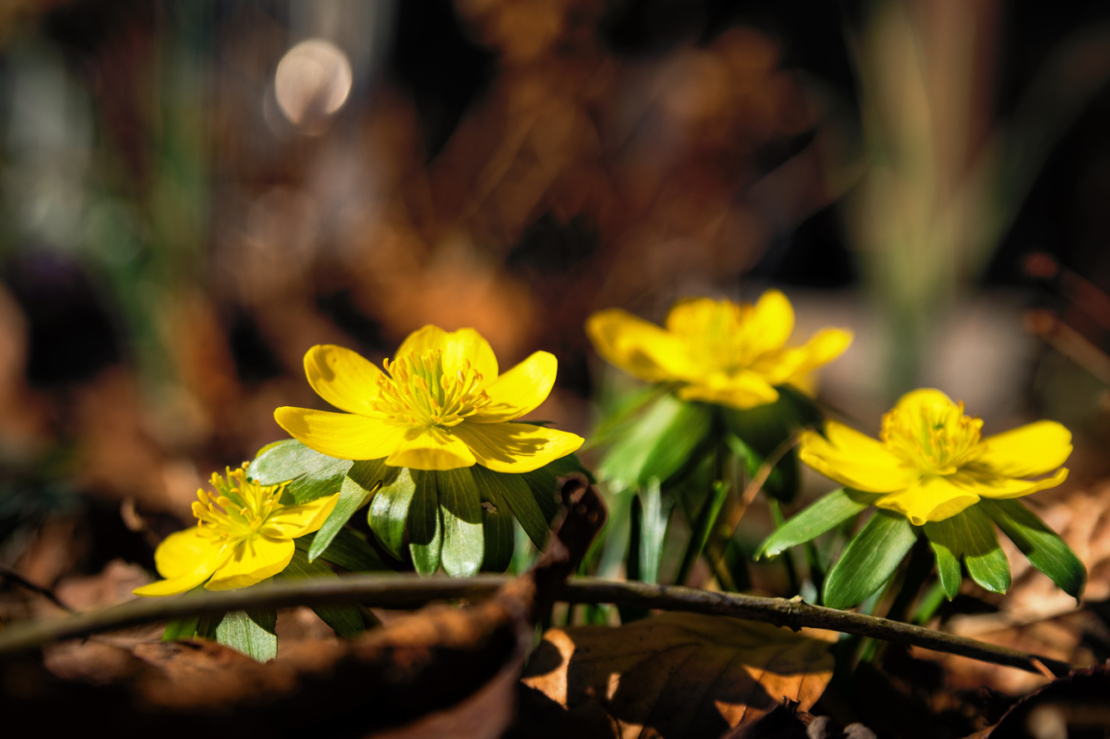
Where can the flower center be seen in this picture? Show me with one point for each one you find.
(935, 439)
(418, 392)
(238, 508)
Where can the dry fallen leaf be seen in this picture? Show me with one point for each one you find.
(440, 671)
(680, 674)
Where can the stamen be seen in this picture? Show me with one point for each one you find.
(935, 439)
(417, 391)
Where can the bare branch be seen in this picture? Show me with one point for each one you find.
(401, 591)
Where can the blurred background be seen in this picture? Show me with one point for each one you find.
(192, 193)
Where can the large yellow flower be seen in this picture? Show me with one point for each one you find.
(439, 405)
(243, 536)
(931, 462)
(715, 350)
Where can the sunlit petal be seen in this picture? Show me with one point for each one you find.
(924, 403)
(795, 364)
(741, 390)
(458, 348)
(640, 348)
(520, 390)
(929, 499)
(342, 377)
(179, 553)
(188, 571)
(341, 435)
(431, 449)
(702, 319)
(855, 460)
(254, 560)
(516, 447)
(293, 521)
(769, 324)
(989, 485)
(1026, 451)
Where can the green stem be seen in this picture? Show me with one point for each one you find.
(788, 560)
(707, 519)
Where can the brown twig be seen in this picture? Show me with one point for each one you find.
(401, 592)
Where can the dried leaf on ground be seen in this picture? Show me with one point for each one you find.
(441, 671)
(679, 674)
(1073, 706)
(1035, 615)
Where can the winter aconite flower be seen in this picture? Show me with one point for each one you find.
(440, 404)
(716, 351)
(931, 462)
(244, 534)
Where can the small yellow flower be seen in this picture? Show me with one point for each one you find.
(715, 350)
(931, 462)
(243, 536)
(439, 405)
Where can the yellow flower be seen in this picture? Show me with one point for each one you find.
(439, 405)
(931, 462)
(243, 536)
(715, 350)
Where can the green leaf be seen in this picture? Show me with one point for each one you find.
(1043, 546)
(570, 465)
(389, 512)
(463, 534)
(707, 520)
(948, 569)
(517, 491)
(497, 521)
(186, 628)
(310, 475)
(349, 549)
(658, 444)
(655, 515)
(869, 560)
(969, 534)
(764, 428)
(345, 619)
(253, 634)
(822, 515)
(425, 523)
(545, 490)
(352, 496)
(618, 415)
(373, 473)
(181, 628)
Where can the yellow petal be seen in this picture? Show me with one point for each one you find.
(929, 499)
(516, 447)
(431, 449)
(743, 389)
(180, 551)
(1026, 451)
(342, 435)
(794, 365)
(855, 460)
(988, 485)
(639, 348)
(290, 522)
(254, 560)
(919, 403)
(699, 320)
(458, 348)
(342, 377)
(520, 390)
(186, 559)
(769, 323)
